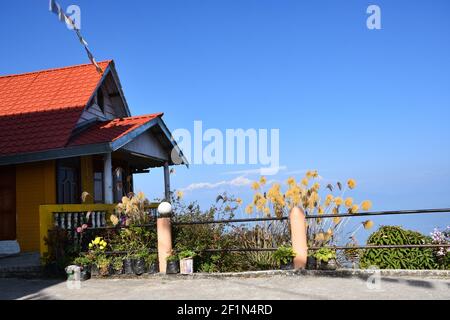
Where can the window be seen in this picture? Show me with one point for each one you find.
(68, 181)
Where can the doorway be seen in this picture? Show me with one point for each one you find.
(7, 203)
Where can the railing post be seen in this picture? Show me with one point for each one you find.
(164, 232)
(298, 237)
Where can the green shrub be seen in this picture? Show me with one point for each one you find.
(325, 254)
(411, 258)
(185, 254)
(284, 255)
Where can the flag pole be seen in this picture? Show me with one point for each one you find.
(56, 9)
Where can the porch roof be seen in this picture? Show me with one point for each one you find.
(110, 131)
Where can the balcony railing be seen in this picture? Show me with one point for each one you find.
(71, 216)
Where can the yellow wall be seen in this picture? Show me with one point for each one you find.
(87, 178)
(35, 186)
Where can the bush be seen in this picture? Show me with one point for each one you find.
(284, 255)
(412, 258)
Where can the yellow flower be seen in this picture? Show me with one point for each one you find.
(351, 183)
(267, 211)
(336, 220)
(354, 209)
(349, 202)
(97, 240)
(239, 201)
(102, 247)
(90, 245)
(305, 181)
(316, 186)
(114, 219)
(309, 174)
(366, 205)
(257, 197)
(328, 199)
(315, 173)
(262, 181)
(255, 185)
(368, 224)
(320, 236)
(180, 194)
(290, 182)
(320, 210)
(103, 243)
(249, 209)
(338, 201)
(328, 235)
(140, 196)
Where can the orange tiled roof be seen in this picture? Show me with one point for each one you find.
(110, 131)
(39, 110)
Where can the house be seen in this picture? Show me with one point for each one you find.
(65, 131)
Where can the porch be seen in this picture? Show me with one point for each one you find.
(92, 174)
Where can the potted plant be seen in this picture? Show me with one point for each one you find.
(173, 266)
(104, 266)
(96, 253)
(128, 264)
(311, 262)
(284, 257)
(326, 258)
(186, 261)
(139, 261)
(84, 262)
(152, 263)
(117, 265)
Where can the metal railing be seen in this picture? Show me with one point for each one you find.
(321, 216)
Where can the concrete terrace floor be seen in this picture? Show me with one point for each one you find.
(301, 287)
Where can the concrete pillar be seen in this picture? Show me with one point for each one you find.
(108, 178)
(166, 181)
(298, 237)
(164, 231)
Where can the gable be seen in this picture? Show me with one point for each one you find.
(107, 103)
(146, 144)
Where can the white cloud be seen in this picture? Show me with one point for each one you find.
(240, 181)
(256, 171)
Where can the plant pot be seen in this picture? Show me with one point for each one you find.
(106, 272)
(139, 266)
(311, 263)
(330, 265)
(153, 268)
(287, 266)
(117, 271)
(128, 266)
(187, 266)
(85, 273)
(173, 267)
(95, 272)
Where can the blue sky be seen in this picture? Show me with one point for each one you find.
(373, 105)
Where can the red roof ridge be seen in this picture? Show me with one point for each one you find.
(54, 69)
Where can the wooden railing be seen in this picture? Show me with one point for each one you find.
(71, 216)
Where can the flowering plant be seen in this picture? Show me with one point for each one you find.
(308, 196)
(131, 211)
(97, 245)
(442, 254)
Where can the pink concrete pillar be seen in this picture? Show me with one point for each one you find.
(164, 231)
(298, 237)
